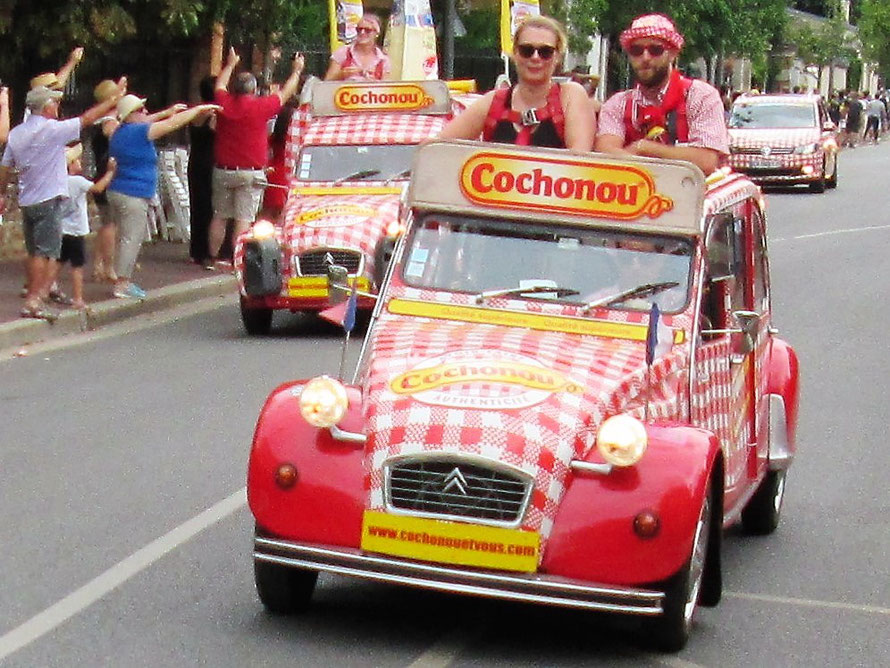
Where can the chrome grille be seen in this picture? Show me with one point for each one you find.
(455, 488)
(757, 150)
(314, 262)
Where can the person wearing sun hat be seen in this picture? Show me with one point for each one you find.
(98, 135)
(136, 180)
(666, 115)
(36, 149)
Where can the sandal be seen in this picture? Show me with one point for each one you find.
(60, 298)
(39, 312)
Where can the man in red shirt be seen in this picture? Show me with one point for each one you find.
(241, 151)
(666, 115)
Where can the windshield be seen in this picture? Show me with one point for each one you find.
(772, 115)
(329, 163)
(464, 254)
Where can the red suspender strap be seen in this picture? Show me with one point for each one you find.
(682, 116)
(554, 106)
(495, 112)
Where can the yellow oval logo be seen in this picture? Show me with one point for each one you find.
(394, 97)
(622, 192)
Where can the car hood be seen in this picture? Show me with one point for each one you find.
(339, 217)
(528, 399)
(774, 138)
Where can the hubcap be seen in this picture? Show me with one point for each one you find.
(697, 560)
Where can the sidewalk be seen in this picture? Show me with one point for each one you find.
(164, 272)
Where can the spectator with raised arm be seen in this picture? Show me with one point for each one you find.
(241, 151)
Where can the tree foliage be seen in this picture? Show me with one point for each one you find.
(874, 33)
(825, 43)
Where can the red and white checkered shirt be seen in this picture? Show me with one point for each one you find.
(704, 113)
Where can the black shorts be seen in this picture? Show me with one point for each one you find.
(74, 250)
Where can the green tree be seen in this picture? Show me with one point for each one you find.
(824, 44)
(874, 32)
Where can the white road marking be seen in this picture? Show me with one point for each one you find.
(677, 662)
(58, 613)
(442, 652)
(816, 235)
(809, 603)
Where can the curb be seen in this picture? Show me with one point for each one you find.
(27, 331)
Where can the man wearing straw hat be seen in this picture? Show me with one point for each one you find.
(666, 115)
(36, 149)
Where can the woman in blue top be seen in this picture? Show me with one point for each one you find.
(136, 180)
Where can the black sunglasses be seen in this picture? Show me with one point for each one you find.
(655, 50)
(545, 51)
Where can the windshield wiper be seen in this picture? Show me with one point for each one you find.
(536, 289)
(397, 175)
(639, 291)
(361, 174)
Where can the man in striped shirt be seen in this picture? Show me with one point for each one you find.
(666, 115)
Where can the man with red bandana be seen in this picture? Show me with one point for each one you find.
(666, 115)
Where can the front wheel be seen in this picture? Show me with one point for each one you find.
(818, 186)
(670, 632)
(832, 182)
(257, 321)
(284, 590)
(761, 516)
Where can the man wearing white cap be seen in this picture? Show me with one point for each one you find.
(36, 149)
(666, 115)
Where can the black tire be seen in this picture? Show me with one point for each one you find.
(257, 321)
(284, 590)
(670, 632)
(761, 516)
(818, 186)
(832, 182)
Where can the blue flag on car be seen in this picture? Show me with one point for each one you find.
(351, 307)
(652, 334)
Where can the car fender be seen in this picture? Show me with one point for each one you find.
(783, 376)
(593, 536)
(326, 503)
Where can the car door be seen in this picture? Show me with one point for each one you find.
(724, 386)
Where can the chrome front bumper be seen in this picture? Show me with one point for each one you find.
(529, 588)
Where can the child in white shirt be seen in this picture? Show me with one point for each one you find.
(75, 218)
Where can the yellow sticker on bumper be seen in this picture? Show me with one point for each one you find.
(317, 286)
(450, 542)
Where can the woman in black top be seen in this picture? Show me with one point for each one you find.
(99, 132)
(202, 133)
(526, 115)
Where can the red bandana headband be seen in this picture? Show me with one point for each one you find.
(652, 25)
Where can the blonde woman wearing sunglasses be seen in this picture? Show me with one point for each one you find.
(666, 115)
(536, 111)
(362, 60)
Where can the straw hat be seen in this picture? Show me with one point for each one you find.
(128, 104)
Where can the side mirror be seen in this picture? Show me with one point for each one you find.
(749, 326)
(338, 284)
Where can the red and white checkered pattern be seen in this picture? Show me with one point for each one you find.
(354, 234)
(772, 139)
(540, 439)
(731, 189)
(652, 25)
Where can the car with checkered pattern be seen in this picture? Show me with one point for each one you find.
(784, 139)
(349, 150)
(570, 386)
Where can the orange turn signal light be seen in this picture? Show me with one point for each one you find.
(286, 476)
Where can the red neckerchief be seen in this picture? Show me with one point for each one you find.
(646, 119)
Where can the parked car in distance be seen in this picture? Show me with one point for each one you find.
(784, 140)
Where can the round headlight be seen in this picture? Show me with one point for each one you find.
(263, 229)
(622, 440)
(323, 402)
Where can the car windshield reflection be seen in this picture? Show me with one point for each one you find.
(342, 162)
(772, 115)
(582, 265)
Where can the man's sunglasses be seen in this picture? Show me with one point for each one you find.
(655, 50)
(545, 51)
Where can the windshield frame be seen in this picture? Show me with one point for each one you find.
(561, 235)
(809, 106)
(350, 166)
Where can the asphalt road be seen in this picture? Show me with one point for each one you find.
(124, 538)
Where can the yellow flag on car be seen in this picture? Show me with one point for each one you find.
(344, 17)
